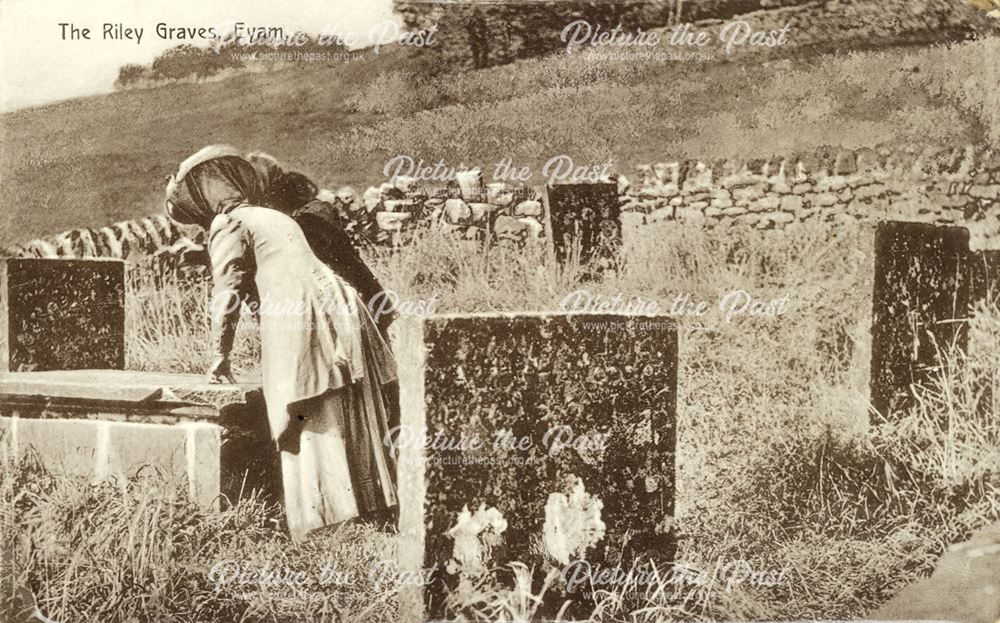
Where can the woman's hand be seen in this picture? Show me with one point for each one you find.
(220, 372)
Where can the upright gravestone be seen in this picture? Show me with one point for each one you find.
(61, 314)
(585, 223)
(921, 294)
(545, 439)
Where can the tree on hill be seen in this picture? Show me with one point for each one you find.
(129, 74)
(185, 60)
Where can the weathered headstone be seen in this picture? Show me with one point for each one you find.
(61, 314)
(856, 337)
(116, 424)
(585, 220)
(535, 425)
(921, 294)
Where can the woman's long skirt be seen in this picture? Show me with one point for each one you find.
(338, 465)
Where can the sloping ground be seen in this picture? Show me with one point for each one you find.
(964, 587)
(94, 160)
(91, 161)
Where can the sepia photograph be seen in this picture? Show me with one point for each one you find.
(499, 311)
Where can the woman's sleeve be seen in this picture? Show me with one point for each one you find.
(232, 277)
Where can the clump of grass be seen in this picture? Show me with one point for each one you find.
(140, 550)
(951, 437)
(860, 514)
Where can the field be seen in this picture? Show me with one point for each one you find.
(775, 465)
(92, 161)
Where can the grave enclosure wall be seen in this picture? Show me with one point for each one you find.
(947, 185)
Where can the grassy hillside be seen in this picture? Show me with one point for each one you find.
(90, 161)
(94, 160)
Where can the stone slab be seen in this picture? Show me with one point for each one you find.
(857, 339)
(124, 386)
(71, 447)
(7, 445)
(590, 403)
(60, 314)
(135, 450)
(985, 276)
(205, 471)
(965, 586)
(585, 221)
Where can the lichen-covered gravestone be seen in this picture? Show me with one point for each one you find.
(545, 439)
(921, 287)
(585, 222)
(61, 314)
(927, 282)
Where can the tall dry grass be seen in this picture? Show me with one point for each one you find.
(775, 465)
(136, 551)
(168, 326)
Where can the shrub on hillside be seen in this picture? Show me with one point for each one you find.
(393, 93)
(187, 60)
(129, 74)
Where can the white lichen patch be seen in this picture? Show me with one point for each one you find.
(572, 523)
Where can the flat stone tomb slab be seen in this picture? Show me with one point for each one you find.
(541, 439)
(100, 424)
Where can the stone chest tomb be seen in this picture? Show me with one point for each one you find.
(66, 402)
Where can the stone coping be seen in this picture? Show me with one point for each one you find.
(187, 396)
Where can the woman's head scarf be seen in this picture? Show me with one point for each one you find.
(213, 181)
(267, 166)
(284, 190)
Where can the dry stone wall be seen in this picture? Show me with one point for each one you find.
(953, 186)
(938, 185)
(466, 207)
